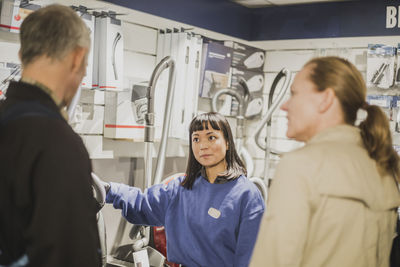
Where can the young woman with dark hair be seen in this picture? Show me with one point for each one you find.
(232, 165)
(212, 214)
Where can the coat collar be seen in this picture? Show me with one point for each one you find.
(342, 132)
(376, 191)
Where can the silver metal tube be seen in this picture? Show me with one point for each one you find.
(267, 155)
(241, 109)
(166, 123)
(165, 63)
(148, 166)
(231, 92)
(271, 110)
(240, 122)
(248, 160)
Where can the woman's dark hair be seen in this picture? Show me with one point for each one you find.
(235, 166)
(349, 86)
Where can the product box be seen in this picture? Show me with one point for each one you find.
(89, 20)
(388, 103)
(185, 49)
(246, 57)
(25, 8)
(96, 47)
(160, 46)
(14, 16)
(9, 15)
(171, 43)
(180, 52)
(8, 72)
(192, 82)
(381, 63)
(124, 114)
(255, 84)
(254, 79)
(216, 63)
(383, 101)
(89, 96)
(89, 119)
(119, 119)
(110, 52)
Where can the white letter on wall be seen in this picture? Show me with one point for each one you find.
(391, 13)
(398, 21)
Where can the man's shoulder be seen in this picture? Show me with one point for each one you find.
(40, 124)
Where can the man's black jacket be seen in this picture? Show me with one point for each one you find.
(47, 211)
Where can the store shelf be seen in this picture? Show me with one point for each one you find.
(9, 37)
(392, 91)
(135, 148)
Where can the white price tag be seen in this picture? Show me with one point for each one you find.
(141, 258)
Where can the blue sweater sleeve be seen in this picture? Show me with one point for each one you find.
(146, 208)
(248, 230)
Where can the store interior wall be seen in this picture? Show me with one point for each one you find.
(140, 43)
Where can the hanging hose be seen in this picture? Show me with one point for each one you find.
(165, 63)
(248, 161)
(241, 110)
(266, 120)
(166, 123)
(272, 106)
(261, 186)
(242, 100)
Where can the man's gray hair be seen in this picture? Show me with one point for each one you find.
(52, 31)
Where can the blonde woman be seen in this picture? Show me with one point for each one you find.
(332, 202)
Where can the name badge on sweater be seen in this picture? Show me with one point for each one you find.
(214, 213)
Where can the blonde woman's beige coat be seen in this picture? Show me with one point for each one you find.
(328, 207)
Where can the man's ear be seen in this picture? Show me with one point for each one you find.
(78, 58)
(328, 97)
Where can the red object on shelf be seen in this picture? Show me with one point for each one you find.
(160, 242)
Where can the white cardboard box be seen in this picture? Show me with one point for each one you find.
(111, 54)
(90, 119)
(9, 15)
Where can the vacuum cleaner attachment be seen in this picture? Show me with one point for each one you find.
(254, 107)
(381, 66)
(379, 73)
(15, 72)
(255, 83)
(139, 102)
(116, 40)
(256, 60)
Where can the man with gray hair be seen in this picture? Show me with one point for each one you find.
(47, 209)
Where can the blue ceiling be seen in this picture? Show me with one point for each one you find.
(319, 20)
